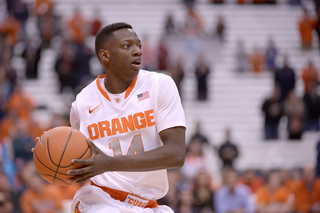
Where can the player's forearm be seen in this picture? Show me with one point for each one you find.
(170, 155)
(164, 157)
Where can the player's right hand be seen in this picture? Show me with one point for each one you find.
(96, 165)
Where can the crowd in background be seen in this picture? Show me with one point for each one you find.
(192, 188)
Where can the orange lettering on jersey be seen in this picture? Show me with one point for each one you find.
(121, 125)
(104, 126)
(130, 201)
(127, 123)
(139, 123)
(149, 117)
(116, 126)
(96, 131)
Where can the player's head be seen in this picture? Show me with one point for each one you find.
(119, 50)
(103, 36)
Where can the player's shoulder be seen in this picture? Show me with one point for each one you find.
(152, 75)
(87, 90)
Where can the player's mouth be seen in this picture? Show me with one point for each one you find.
(136, 63)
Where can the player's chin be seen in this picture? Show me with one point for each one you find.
(136, 67)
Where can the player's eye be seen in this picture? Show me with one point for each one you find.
(139, 46)
(126, 46)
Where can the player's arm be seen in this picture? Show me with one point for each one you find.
(170, 124)
(170, 155)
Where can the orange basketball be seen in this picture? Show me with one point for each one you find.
(54, 151)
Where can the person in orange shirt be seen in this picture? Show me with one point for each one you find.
(251, 179)
(11, 27)
(41, 7)
(257, 60)
(306, 24)
(307, 192)
(21, 103)
(77, 25)
(309, 76)
(273, 197)
(38, 196)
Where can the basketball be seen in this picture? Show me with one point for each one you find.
(54, 151)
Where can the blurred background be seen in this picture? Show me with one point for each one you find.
(247, 72)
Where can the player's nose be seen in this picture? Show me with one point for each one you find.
(137, 51)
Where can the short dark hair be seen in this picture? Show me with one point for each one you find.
(104, 34)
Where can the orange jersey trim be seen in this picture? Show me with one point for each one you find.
(105, 94)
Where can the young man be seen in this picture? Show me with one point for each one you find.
(136, 126)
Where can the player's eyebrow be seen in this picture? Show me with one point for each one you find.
(130, 40)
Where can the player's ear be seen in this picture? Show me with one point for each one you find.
(104, 55)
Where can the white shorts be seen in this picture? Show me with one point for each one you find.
(94, 200)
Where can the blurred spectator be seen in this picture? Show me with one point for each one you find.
(312, 104)
(41, 7)
(162, 55)
(309, 76)
(203, 194)
(273, 112)
(20, 103)
(49, 25)
(96, 23)
(11, 195)
(65, 68)
(21, 13)
(232, 197)
(318, 160)
(6, 205)
(193, 23)
(198, 135)
(81, 68)
(169, 25)
(22, 141)
(271, 54)
(252, 180)
(273, 197)
(285, 78)
(202, 72)
(294, 109)
(318, 23)
(77, 26)
(176, 71)
(175, 184)
(241, 57)
(185, 201)
(307, 23)
(289, 178)
(32, 55)
(195, 161)
(307, 192)
(11, 74)
(257, 60)
(38, 196)
(228, 151)
(11, 27)
(147, 49)
(220, 27)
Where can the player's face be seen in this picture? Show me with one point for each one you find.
(125, 54)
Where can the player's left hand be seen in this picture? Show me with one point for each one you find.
(93, 166)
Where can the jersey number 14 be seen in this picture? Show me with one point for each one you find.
(136, 146)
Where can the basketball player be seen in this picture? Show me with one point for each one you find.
(135, 126)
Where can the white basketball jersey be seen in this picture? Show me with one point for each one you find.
(129, 124)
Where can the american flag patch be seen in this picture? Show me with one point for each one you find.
(143, 96)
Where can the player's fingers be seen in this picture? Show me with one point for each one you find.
(37, 138)
(80, 178)
(32, 149)
(87, 162)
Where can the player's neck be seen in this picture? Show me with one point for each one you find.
(116, 86)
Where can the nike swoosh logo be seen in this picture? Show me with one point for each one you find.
(91, 110)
